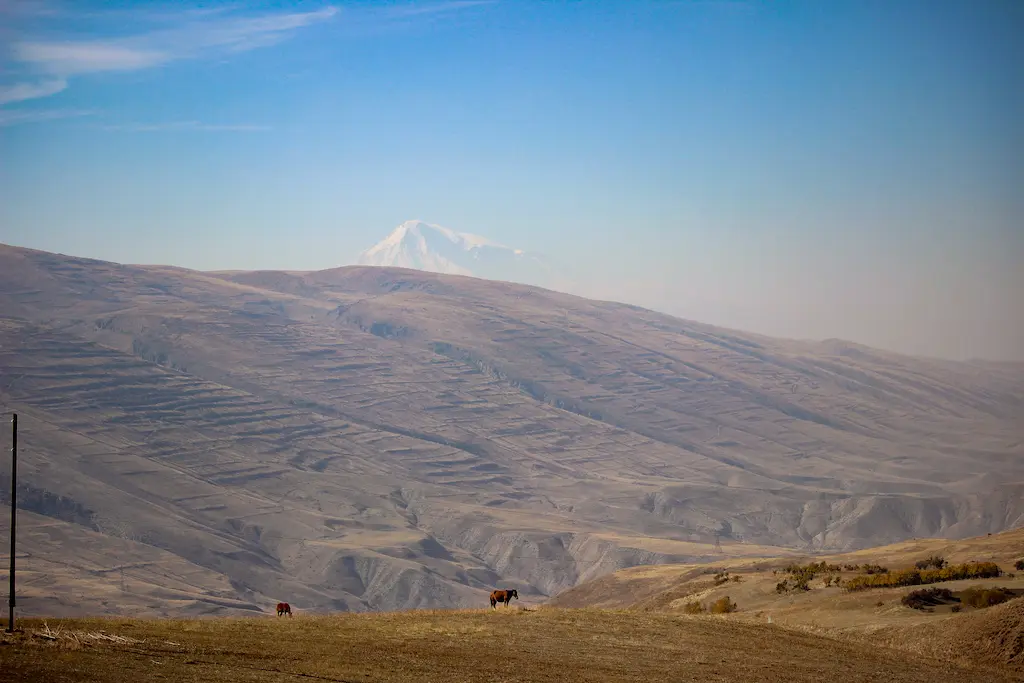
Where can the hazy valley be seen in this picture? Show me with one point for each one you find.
(372, 438)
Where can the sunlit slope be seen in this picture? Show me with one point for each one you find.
(992, 636)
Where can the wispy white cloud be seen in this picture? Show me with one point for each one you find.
(19, 92)
(192, 34)
(73, 9)
(68, 59)
(185, 126)
(167, 14)
(176, 35)
(13, 117)
(192, 39)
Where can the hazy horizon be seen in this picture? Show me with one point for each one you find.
(849, 170)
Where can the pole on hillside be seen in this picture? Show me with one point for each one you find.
(14, 514)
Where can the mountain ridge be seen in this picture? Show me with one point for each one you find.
(372, 438)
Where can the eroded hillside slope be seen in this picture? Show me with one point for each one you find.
(368, 438)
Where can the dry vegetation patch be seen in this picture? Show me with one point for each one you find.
(724, 605)
(917, 577)
(927, 598)
(981, 597)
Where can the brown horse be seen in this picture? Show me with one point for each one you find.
(504, 596)
(284, 608)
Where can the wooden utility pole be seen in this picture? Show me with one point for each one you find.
(14, 515)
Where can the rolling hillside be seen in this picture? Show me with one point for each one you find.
(369, 438)
(992, 637)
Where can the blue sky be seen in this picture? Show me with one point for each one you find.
(807, 169)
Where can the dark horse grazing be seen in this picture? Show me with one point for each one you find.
(284, 608)
(504, 596)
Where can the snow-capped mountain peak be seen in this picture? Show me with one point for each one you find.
(426, 246)
(420, 233)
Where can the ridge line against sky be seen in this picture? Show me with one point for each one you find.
(847, 169)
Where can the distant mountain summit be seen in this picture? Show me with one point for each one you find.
(434, 248)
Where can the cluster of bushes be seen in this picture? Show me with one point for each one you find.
(933, 569)
(1019, 565)
(916, 577)
(866, 568)
(721, 606)
(812, 568)
(985, 597)
(925, 598)
(802, 575)
(933, 562)
(797, 583)
(724, 577)
(803, 583)
(785, 586)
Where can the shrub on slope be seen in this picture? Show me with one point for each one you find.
(986, 597)
(916, 577)
(924, 598)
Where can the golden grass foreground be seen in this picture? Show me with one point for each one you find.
(546, 644)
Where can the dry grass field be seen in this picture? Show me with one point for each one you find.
(992, 637)
(822, 634)
(456, 647)
(375, 439)
(656, 586)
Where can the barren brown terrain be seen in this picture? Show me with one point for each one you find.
(424, 645)
(367, 439)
